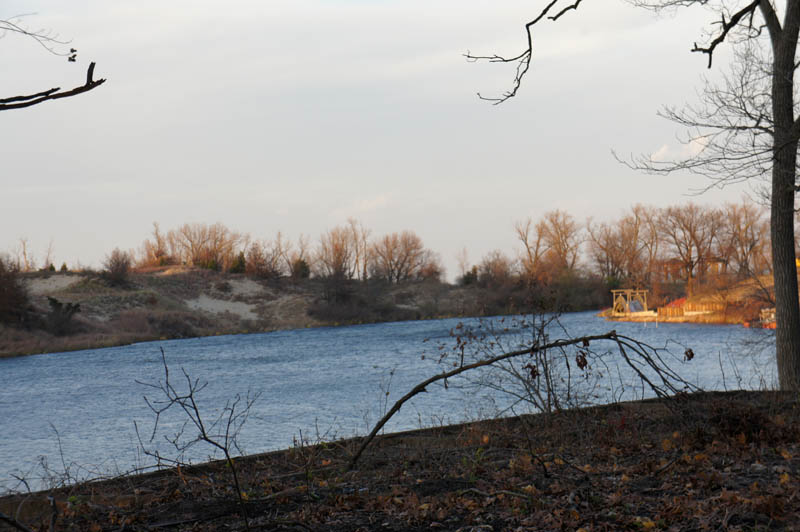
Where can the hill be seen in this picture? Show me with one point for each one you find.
(181, 302)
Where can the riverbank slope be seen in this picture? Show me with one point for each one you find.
(714, 460)
(182, 302)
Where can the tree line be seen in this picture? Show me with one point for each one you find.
(345, 252)
(644, 245)
(687, 242)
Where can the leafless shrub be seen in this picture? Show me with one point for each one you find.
(221, 432)
(117, 266)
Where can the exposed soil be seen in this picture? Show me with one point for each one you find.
(712, 461)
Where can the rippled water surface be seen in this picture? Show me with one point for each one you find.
(327, 381)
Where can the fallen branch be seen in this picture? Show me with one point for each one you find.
(667, 376)
(421, 387)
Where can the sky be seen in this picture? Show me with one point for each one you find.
(293, 115)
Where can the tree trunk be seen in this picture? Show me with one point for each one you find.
(787, 337)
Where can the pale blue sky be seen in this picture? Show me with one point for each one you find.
(293, 115)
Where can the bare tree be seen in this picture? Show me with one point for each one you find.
(496, 269)
(774, 125)
(533, 248)
(361, 248)
(743, 240)
(398, 256)
(690, 231)
(642, 224)
(55, 46)
(562, 237)
(265, 258)
(335, 255)
(157, 251)
(208, 246)
(609, 249)
(25, 260)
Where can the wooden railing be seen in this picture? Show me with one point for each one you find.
(670, 312)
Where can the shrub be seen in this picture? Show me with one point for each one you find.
(239, 264)
(59, 319)
(64, 268)
(470, 277)
(117, 266)
(300, 269)
(14, 303)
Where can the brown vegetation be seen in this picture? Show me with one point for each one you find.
(13, 296)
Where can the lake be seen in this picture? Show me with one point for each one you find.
(322, 383)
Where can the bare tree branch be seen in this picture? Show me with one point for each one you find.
(727, 26)
(744, 17)
(635, 354)
(523, 59)
(45, 38)
(18, 102)
(54, 45)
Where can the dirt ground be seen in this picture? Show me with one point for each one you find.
(711, 461)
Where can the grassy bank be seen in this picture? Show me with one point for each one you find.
(716, 461)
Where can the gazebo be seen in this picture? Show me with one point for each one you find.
(629, 300)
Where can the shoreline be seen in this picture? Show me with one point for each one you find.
(698, 317)
(703, 453)
(79, 343)
(100, 344)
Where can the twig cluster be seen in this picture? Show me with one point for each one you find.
(221, 433)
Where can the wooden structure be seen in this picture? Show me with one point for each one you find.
(628, 300)
(670, 312)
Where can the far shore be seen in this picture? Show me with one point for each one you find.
(182, 302)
